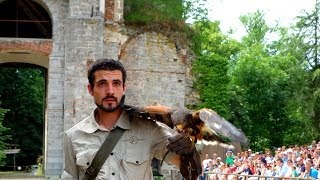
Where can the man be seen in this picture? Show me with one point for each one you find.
(269, 156)
(290, 155)
(205, 166)
(300, 166)
(316, 158)
(281, 168)
(310, 171)
(219, 161)
(214, 158)
(290, 171)
(205, 162)
(229, 158)
(142, 139)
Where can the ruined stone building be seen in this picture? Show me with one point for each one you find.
(64, 36)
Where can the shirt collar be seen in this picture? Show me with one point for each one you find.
(123, 121)
(90, 125)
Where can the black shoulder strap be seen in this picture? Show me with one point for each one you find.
(103, 153)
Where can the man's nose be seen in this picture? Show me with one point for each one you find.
(110, 88)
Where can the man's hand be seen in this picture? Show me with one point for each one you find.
(190, 166)
(181, 144)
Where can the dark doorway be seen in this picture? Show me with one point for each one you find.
(23, 96)
(24, 19)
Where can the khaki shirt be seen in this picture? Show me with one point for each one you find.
(131, 157)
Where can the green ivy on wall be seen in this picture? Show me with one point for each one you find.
(153, 11)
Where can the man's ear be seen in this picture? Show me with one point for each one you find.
(124, 88)
(90, 89)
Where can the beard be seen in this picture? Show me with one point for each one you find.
(109, 108)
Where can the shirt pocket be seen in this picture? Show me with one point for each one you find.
(136, 163)
(137, 151)
(84, 160)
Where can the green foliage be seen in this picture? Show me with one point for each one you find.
(308, 29)
(3, 137)
(165, 12)
(264, 92)
(266, 85)
(195, 10)
(255, 26)
(211, 67)
(291, 45)
(146, 11)
(159, 178)
(168, 17)
(22, 91)
(212, 84)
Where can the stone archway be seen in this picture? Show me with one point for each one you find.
(31, 51)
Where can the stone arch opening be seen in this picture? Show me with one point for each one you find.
(23, 92)
(24, 19)
(24, 57)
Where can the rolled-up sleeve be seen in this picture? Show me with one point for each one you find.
(160, 140)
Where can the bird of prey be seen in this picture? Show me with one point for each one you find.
(198, 125)
(201, 124)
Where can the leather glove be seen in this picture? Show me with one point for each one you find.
(181, 144)
(190, 166)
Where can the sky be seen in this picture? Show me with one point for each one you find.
(229, 11)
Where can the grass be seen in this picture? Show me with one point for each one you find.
(11, 174)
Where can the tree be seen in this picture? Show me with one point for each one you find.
(210, 69)
(256, 28)
(308, 31)
(265, 84)
(3, 137)
(292, 46)
(22, 91)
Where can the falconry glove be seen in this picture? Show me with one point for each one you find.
(190, 166)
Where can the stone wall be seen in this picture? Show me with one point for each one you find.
(54, 122)
(156, 74)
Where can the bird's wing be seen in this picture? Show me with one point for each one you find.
(157, 113)
(202, 124)
(222, 127)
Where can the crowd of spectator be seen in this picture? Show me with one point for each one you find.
(281, 163)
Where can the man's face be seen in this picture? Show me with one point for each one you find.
(278, 163)
(207, 156)
(308, 165)
(108, 89)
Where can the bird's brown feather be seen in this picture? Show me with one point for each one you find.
(183, 120)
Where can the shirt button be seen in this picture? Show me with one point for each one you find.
(113, 174)
(111, 154)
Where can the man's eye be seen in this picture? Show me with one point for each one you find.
(101, 84)
(117, 83)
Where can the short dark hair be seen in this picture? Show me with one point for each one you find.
(106, 64)
(280, 160)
